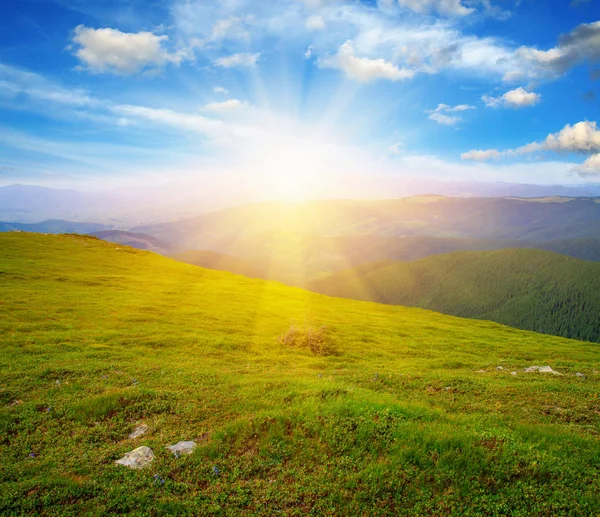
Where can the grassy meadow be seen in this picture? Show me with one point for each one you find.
(410, 412)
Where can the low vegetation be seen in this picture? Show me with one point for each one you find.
(416, 414)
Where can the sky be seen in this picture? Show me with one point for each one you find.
(292, 98)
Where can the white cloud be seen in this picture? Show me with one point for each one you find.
(309, 52)
(315, 23)
(244, 60)
(480, 156)
(444, 7)
(190, 122)
(580, 45)
(230, 105)
(110, 50)
(364, 69)
(449, 109)
(220, 89)
(439, 114)
(233, 28)
(590, 168)
(581, 138)
(518, 98)
(445, 120)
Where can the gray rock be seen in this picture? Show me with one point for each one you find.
(137, 459)
(182, 448)
(513, 373)
(140, 430)
(579, 374)
(499, 368)
(541, 369)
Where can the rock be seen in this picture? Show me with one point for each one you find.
(140, 430)
(499, 368)
(513, 373)
(137, 459)
(579, 374)
(182, 448)
(541, 369)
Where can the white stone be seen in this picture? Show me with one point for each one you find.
(182, 448)
(138, 458)
(541, 369)
(140, 430)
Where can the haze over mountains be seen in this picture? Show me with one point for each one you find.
(136, 205)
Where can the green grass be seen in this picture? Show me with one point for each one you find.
(96, 338)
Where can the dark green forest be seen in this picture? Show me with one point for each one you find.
(528, 289)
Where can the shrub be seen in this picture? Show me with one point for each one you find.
(316, 338)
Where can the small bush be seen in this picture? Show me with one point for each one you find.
(316, 338)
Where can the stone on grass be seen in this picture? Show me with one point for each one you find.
(499, 368)
(513, 373)
(182, 448)
(140, 430)
(138, 458)
(542, 369)
(579, 374)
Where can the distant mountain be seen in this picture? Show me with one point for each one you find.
(137, 205)
(300, 259)
(117, 207)
(531, 220)
(528, 289)
(52, 226)
(135, 240)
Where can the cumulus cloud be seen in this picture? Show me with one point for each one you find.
(110, 50)
(230, 105)
(364, 69)
(580, 138)
(580, 45)
(583, 137)
(590, 168)
(241, 60)
(518, 98)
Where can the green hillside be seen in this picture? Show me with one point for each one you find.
(218, 261)
(401, 412)
(528, 289)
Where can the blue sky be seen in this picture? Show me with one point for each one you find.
(295, 97)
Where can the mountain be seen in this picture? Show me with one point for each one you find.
(299, 404)
(24, 198)
(117, 207)
(300, 259)
(135, 240)
(528, 289)
(52, 226)
(136, 205)
(531, 220)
